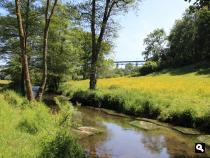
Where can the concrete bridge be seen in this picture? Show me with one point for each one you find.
(133, 62)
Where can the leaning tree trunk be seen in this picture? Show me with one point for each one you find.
(45, 48)
(44, 73)
(24, 57)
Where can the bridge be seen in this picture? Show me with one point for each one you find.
(133, 62)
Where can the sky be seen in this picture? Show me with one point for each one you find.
(135, 27)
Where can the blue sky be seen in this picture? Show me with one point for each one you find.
(152, 14)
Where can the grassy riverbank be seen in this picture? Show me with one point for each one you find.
(31, 130)
(179, 96)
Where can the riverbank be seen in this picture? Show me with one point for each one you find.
(176, 97)
(32, 130)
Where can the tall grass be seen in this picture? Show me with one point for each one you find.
(27, 130)
(181, 99)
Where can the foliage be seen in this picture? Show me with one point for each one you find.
(100, 16)
(188, 41)
(198, 4)
(148, 67)
(27, 128)
(155, 45)
(69, 51)
(62, 146)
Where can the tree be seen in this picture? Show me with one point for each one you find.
(23, 32)
(198, 4)
(64, 50)
(48, 16)
(82, 40)
(129, 69)
(99, 14)
(189, 39)
(9, 36)
(155, 45)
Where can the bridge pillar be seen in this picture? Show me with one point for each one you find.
(117, 65)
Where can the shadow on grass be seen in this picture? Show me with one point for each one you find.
(198, 69)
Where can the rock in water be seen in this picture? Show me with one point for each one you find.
(144, 125)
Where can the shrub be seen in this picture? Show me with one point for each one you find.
(62, 146)
(148, 67)
(203, 123)
(185, 118)
(149, 110)
(113, 102)
(86, 98)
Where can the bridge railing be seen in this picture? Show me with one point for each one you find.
(133, 62)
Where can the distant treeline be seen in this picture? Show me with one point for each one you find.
(187, 43)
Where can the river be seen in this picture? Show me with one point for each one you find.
(121, 140)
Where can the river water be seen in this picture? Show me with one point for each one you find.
(121, 140)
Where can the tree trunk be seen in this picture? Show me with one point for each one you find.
(45, 48)
(93, 72)
(27, 80)
(44, 77)
(96, 44)
(24, 57)
(22, 83)
(93, 69)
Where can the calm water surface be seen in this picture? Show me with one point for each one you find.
(120, 140)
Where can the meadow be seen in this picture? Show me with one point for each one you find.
(179, 98)
(31, 130)
(4, 82)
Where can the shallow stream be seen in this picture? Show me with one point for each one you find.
(122, 140)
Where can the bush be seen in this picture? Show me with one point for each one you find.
(185, 118)
(112, 102)
(86, 98)
(149, 110)
(148, 67)
(62, 146)
(203, 123)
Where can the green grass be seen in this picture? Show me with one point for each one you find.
(178, 96)
(29, 130)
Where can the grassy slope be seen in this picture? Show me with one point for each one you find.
(173, 91)
(30, 130)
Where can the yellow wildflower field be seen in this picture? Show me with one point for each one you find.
(4, 82)
(182, 91)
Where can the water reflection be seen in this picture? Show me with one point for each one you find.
(154, 143)
(120, 140)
